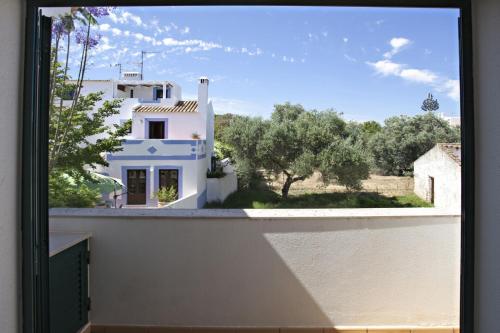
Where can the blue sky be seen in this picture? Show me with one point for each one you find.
(367, 63)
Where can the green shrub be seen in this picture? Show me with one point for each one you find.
(167, 194)
(65, 191)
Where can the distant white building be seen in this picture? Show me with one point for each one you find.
(171, 142)
(453, 121)
(437, 176)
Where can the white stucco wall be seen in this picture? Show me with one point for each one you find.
(181, 126)
(447, 179)
(218, 189)
(339, 270)
(11, 63)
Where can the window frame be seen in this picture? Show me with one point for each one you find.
(34, 216)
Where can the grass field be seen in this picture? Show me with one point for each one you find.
(266, 198)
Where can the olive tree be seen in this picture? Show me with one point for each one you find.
(296, 143)
(403, 139)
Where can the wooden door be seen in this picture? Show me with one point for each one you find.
(136, 187)
(431, 189)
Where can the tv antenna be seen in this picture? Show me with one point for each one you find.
(142, 61)
(119, 70)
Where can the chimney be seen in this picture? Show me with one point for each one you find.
(203, 94)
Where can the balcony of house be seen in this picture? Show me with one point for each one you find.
(314, 271)
(148, 92)
(160, 149)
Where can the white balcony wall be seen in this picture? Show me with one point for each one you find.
(366, 267)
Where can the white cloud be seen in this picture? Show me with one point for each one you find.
(116, 32)
(325, 33)
(134, 18)
(257, 52)
(386, 67)
(194, 44)
(185, 30)
(349, 58)
(418, 75)
(397, 44)
(421, 76)
(451, 88)
(103, 46)
(124, 17)
(104, 27)
(345, 39)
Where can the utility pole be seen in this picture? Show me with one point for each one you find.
(142, 61)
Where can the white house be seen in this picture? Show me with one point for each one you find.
(437, 176)
(170, 144)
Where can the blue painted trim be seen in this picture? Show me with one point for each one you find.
(202, 199)
(146, 126)
(132, 142)
(145, 100)
(202, 156)
(178, 142)
(165, 142)
(157, 169)
(110, 157)
(125, 168)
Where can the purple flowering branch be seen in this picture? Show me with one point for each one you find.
(87, 40)
(86, 15)
(99, 11)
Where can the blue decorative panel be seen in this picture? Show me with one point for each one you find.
(152, 150)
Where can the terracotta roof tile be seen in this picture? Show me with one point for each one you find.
(180, 107)
(453, 150)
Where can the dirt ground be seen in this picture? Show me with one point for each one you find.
(386, 185)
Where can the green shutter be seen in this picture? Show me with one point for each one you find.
(69, 302)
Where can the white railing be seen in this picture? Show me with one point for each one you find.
(265, 268)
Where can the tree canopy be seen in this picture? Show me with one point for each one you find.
(76, 128)
(296, 143)
(404, 139)
(430, 104)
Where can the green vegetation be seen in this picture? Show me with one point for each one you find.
(404, 139)
(265, 198)
(66, 190)
(166, 194)
(73, 122)
(295, 143)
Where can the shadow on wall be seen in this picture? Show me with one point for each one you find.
(234, 272)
